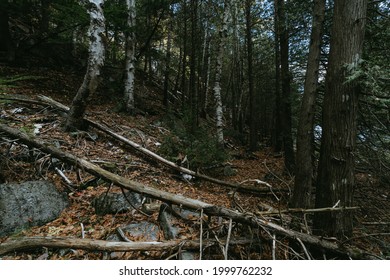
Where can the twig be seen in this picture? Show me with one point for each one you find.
(304, 249)
(201, 235)
(273, 247)
(62, 175)
(301, 210)
(122, 234)
(228, 238)
(82, 231)
(306, 225)
(375, 223)
(132, 205)
(256, 181)
(365, 235)
(219, 243)
(276, 176)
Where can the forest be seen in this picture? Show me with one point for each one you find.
(194, 129)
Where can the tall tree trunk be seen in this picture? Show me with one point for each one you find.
(168, 61)
(193, 62)
(304, 156)
(130, 58)
(95, 63)
(286, 122)
(252, 100)
(336, 167)
(205, 64)
(236, 69)
(223, 32)
(183, 82)
(277, 138)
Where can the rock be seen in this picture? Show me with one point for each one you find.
(188, 256)
(28, 204)
(144, 231)
(113, 203)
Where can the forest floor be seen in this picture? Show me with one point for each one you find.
(372, 219)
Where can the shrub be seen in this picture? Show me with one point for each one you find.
(199, 144)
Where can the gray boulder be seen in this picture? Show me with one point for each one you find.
(113, 203)
(28, 204)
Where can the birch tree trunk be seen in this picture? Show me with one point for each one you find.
(336, 180)
(130, 58)
(304, 168)
(223, 33)
(95, 63)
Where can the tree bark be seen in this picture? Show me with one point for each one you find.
(285, 106)
(184, 57)
(107, 246)
(304, 157)
(168, 60)
(252, 100)
(193, 92)
(277, 137)
(223, 33)
(336, 167)
(95, 63)
(130, 58)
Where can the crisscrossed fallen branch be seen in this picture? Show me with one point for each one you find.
(209, 209)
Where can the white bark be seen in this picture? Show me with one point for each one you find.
(96, 46)
(223, 32)
(130, 57)
(95, 63)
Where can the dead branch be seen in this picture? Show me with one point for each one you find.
(101, 245)
(299, 210)
(209, 209)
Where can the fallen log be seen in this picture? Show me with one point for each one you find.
(207, 208)
(84, 244)
(25, 243)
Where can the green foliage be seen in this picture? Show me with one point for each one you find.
(374, 121)
(198, 145)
